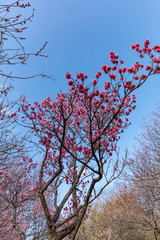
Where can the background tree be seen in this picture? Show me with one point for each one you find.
(13, 24)
(118, 217)
(146, 172)
(16, 191)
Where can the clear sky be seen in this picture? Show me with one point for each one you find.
(80, 35)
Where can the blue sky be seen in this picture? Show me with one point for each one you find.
(80, 35)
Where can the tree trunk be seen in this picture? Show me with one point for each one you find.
(52, 234)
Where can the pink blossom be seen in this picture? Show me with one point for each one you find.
(127, 84)
(107, 85)
(96, 92)
(68, 75)
(136, 49)
(98, 74)
(120, 70)
(102, 107)
(148, 68)
(81, 75)
(70, 83)
(137, 45)
(114, 68)
(132, 87)
(143, 76)
(23, 100)
(141, 55)
(116, 56)
(78, 76)
(112, 76)
(109, 68)
(104, 67)
(111, 54)
(136, 77)
(13, 115)
(124, 69)
(146, 43)
(80, 87)
(105, 144)
(101, 95)
(108, 108)
(156, 60)
(94, 82)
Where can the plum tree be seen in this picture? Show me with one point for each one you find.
(76, 135)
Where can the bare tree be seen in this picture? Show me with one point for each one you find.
(13, 23)
(145, 173)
